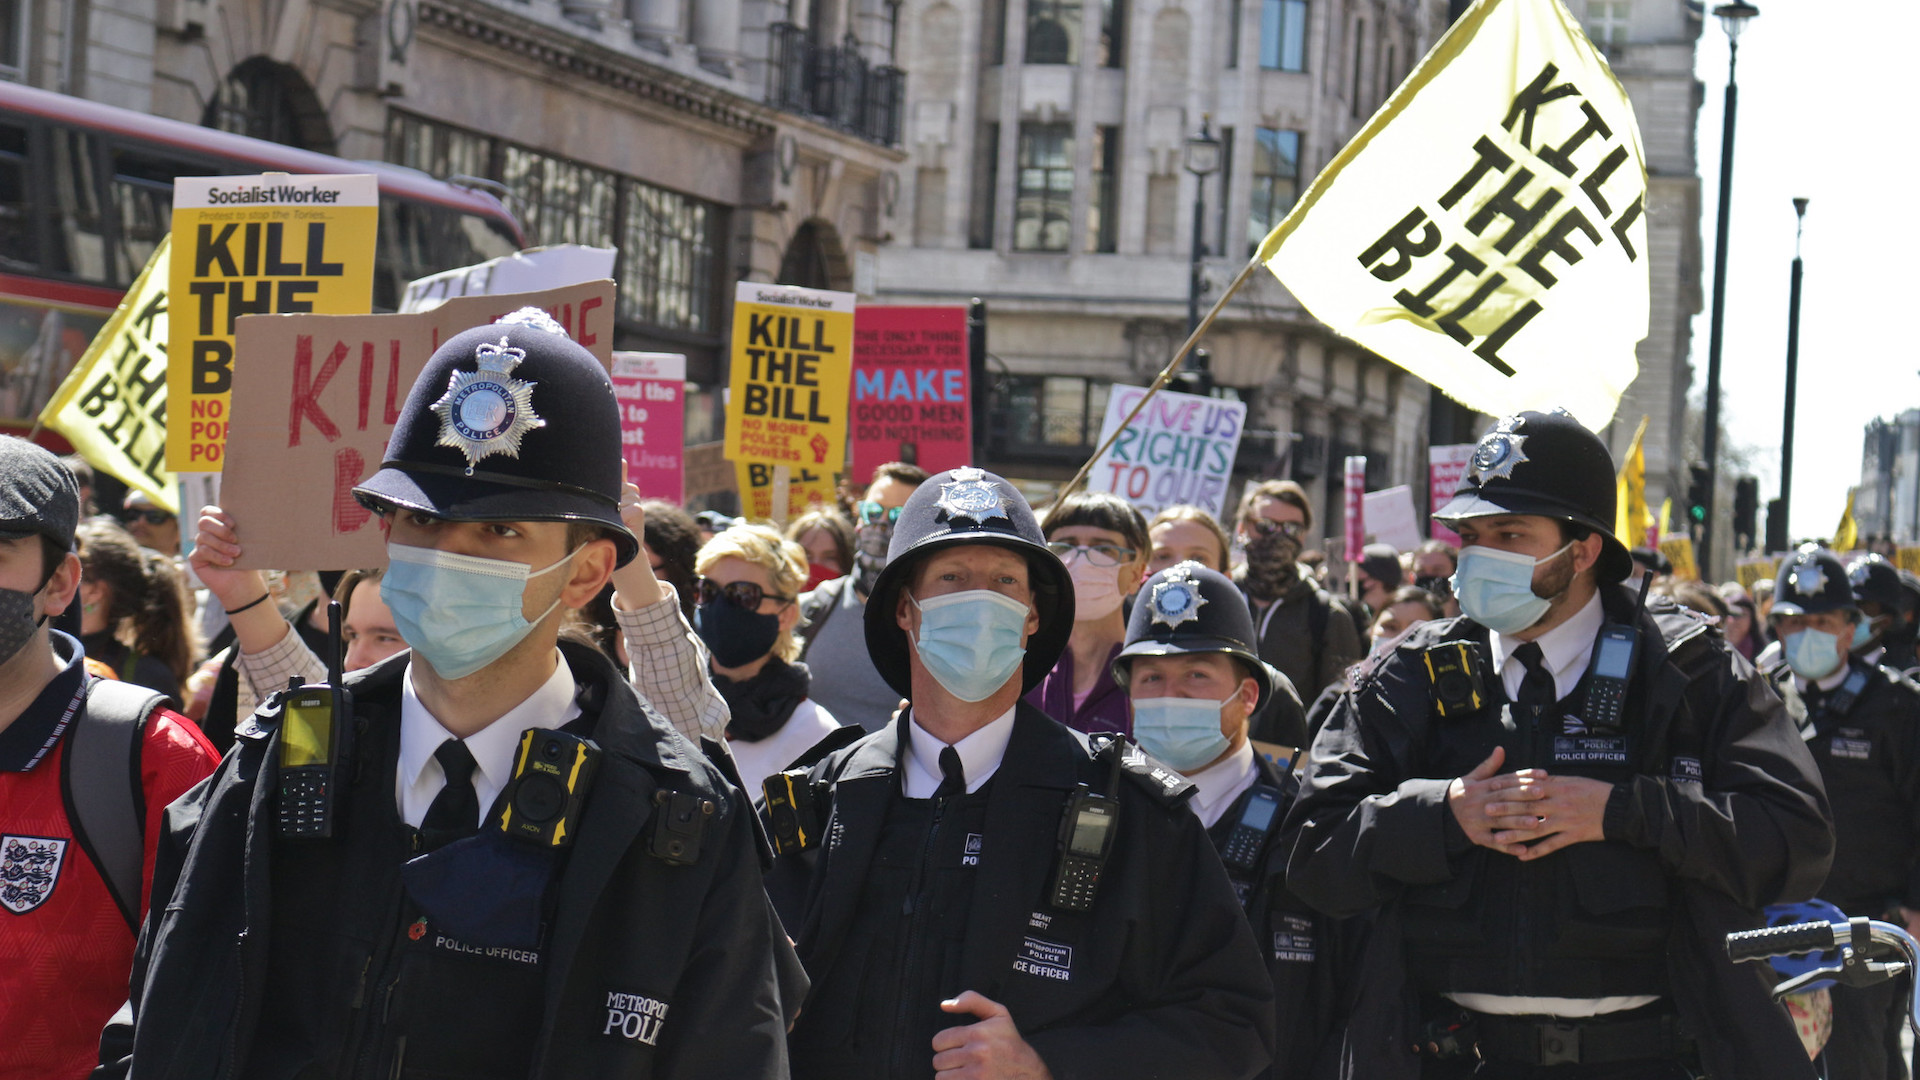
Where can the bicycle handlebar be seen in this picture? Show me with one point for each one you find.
(1796, 939)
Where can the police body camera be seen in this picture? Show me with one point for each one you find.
(551, 776)
(316, 748)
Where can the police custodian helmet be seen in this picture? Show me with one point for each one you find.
(1188, 608)
(968, 506)
(1544, 463)
(1812, 581)
(1876, 581)
(508, 422)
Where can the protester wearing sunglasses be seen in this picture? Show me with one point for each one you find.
(150, 525)
(749, 581)
(1102, 540)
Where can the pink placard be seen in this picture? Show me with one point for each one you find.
(653, 421)
(1356, 506)
(1445, 466)
(911, 401)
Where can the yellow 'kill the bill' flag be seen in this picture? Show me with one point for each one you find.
(1630, 495)
(1846, 535)
(113, 405)
(1487, 229)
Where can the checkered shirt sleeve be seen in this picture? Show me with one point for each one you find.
(271, 668)
(670, 668)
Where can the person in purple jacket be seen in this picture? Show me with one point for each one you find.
(1103, 541)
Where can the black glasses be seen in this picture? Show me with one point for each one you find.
(151, 517)
(741, 594)
(871, 512)
(1097, 554)
(1268, 526)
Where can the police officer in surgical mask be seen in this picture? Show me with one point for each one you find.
(994, 893)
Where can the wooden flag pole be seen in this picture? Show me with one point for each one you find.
(1166, 375)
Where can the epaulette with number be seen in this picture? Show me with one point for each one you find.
(1162, 781)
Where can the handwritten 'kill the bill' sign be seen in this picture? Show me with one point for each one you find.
(1178, 451)
(317, 399)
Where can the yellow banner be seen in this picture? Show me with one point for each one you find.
(113, 405)
(792, 364)
(1630, 496)
(807, 489)
(255, 245)
(1679, 552)
(1487, 229)
(1908, 559)
(1754, 569)
(1846, 535)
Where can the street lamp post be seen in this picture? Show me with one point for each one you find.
(1793, 364)
(1733, 18)
(1203, 160)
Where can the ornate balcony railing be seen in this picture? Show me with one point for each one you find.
(835, 85)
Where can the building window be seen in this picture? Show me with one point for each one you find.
(1359, 54)
(1053, 31)
(986, 185)
(562, 202)
(1234, 13)
(1276, 181)
(1607, 22)
(13, 39)
(264, 99)
(1283, 35)
(1113, 33)
(1222, 184)
(1103, 206)
(1042, 217)
(993, 33)
(671, 255)
(1388, 84)
(1047, 412)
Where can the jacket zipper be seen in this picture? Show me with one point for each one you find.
(916, 916)
(239, 1008)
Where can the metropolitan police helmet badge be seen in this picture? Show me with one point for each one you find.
(1499, 452)
(487, 411)
(1176, 599)
(1808, 579)
(971, 497)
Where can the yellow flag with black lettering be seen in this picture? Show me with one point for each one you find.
(1487, 229)
(1630, 496)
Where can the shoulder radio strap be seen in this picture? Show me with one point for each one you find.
(100, 779)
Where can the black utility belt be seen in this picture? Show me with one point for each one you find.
(1598, 1040)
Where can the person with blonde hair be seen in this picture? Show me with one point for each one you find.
(747, 611)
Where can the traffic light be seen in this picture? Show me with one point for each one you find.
(1697, 495)
(1746, 512)
(1198, 376)
(1776, 525)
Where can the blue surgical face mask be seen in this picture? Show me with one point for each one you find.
(459, 612)
(1812, 654)
(1862, 634)
(970, 641)
(1495, 588)
(1183, 732)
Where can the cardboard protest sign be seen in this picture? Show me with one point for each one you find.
(1179, 450)
(807, 489)
(651, 389)
(251, 245)
(1754, 569)
(1678, 549)
(1446, 465)
(1390, 517)
(791, 363)
(1908, 559)
(1487, 229)
(910, 393)
(524, 271)
(316, 400)
(113, 405)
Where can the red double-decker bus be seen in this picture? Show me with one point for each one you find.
(86, 193)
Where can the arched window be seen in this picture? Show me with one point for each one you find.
(269, 100)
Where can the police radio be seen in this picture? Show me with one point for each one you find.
(551, 776)
(1613, 668)
(1243, 845)
(316, 748)
(1086, 839)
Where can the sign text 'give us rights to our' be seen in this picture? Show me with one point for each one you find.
(247, 245)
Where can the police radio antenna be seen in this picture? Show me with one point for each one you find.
(333, 642)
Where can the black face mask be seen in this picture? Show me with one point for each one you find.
(870, 554)
(17, 624)
(734, 635)
(1272, 565)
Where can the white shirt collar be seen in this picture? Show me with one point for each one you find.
(1828, 684)
(420, 777)
(1565, 649)
(1222, 782)
(980, 755)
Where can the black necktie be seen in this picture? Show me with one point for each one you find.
(455, 812)
(1536, 687)
(953, 778)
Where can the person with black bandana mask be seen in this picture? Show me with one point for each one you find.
(747, 613)
(833, 615)
(1310, 635)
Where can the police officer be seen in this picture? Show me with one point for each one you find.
(1862, 723)
(1560, 802)
(1884, 635)
(629, 937)
(993, 897)
(1194, 681)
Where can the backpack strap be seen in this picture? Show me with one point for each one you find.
(100, 778)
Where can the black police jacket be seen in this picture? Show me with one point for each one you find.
(1868, 751)
(700, 939)
(1737, 816)
(1164, 978)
